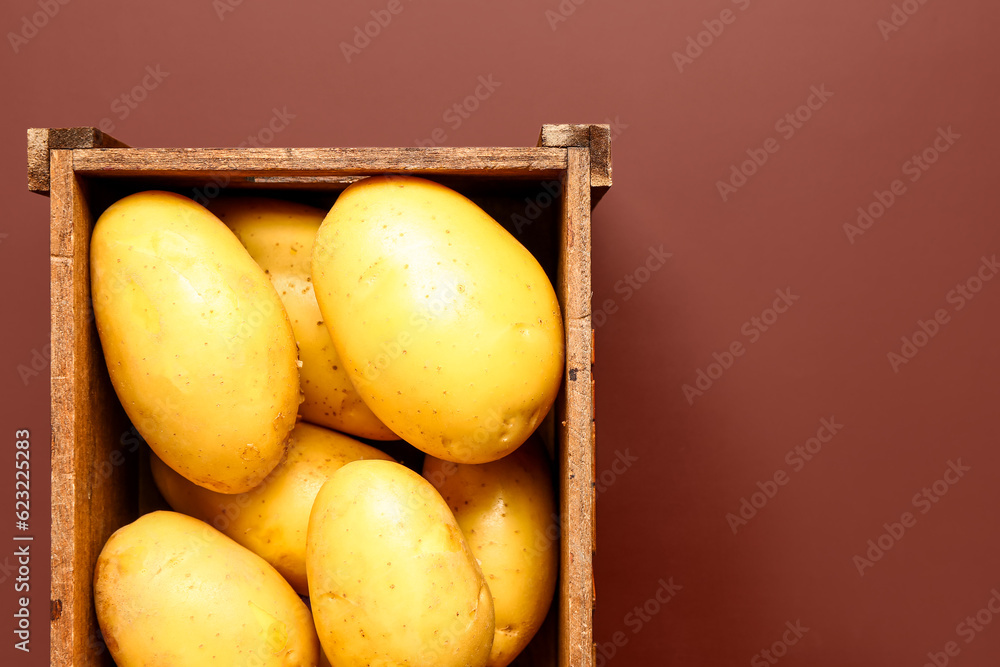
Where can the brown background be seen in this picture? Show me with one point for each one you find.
(664, 515)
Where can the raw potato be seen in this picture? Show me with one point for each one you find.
(172, 590)
(506, 510)
(198, 346)
(448, 327)
(391, 578)
(279, 236)
(272, 519)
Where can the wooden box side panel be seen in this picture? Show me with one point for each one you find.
(92, 478)
(576, 595)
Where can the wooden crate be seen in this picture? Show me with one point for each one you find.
(96, 464)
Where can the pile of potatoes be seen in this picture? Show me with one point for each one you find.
(252, 344)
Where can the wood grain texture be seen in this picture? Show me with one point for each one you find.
(43, 140)
(91, 490)
(526, 163)
(576, 474)
(595, 137)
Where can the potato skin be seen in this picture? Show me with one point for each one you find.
(507, 511)
(198, 346)
(271, 519)
(449, 328)
(391, 578)
(279, 236)
(172, 590)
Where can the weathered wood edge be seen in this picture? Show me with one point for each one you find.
(66, 561)
(576, 599)
(43, 140)
(596, 138)
(515, 162)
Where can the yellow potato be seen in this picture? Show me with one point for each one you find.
(448, 327)
(506, 510)
(199, 349)
(172, 590)
(272, 519)
(391, 579)
(279, 235)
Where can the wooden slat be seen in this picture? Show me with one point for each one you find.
(565, 135)
(43, 140)
(576, 419)
(241, 162)
(91, 497)
(596, 138)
